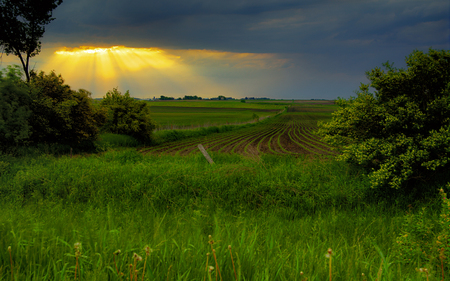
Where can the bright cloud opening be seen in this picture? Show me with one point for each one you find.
(154, 71)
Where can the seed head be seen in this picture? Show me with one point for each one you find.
(9, 249)
(148, 250)
(211, 268)
(137, 257)
(117, 252)
(229, 247)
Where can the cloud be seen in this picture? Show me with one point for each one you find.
(306, 47)
(231, 59)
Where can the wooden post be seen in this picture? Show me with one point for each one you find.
(203, 150)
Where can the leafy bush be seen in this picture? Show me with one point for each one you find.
(402, 131)
(127, 116)
(14, 109)
(61, 115)
(425, 239)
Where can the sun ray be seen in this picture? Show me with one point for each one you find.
(168, 72)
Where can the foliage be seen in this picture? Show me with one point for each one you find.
(425, 239)
(402, 131)
(166, 98)
(14, 109)
(61, 115)
(192, 98)
(127, 116)
(22, 24)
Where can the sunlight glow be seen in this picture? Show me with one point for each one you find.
(111, 61)
(155, 71)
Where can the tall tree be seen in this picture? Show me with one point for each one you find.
(22, 24)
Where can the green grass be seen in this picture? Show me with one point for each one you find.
(267, 247)
(108, 140)
(279, 214)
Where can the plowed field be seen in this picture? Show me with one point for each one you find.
(291, 133)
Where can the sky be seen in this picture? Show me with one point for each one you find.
(286, 49)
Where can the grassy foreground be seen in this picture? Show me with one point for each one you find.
(279, 214)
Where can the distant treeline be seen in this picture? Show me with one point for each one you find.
(185, 98)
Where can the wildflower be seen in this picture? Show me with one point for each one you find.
(211, 268)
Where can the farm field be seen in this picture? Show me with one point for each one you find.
(170, 115)
(291, 133)
(176, 117)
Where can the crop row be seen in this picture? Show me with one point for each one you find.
(286, 134)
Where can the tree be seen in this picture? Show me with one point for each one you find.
(14, 109)
(401, 132)
(61, 115)
(22, 24)
(127, 116)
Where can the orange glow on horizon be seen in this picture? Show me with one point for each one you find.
(154, 71)
(111, 61)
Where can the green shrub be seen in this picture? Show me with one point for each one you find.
(61, 115)
(425, 239)
(127, 116)
(14, 109)
(402, 131)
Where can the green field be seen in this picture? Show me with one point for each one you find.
(279, 208)
(170, 115)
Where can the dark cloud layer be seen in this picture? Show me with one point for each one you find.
(332, 37)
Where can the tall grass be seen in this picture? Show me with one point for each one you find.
(42, 239)
(279, 214)
(127, 177)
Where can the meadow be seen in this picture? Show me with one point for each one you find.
(65, 217)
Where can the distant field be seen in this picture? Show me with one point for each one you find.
(292, 133)
(193, 114)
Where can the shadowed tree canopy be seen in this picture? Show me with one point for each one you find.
(400, 133)
(22, 24)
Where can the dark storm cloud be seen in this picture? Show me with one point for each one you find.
(335, 41)
(257, 26)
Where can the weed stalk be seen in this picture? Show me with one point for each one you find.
(211, 241)
(115, 264)
(328, 255)
(206, 268)
(10, 258)
(77, 247)
(168, 272)
(147, 253)
(232, 261)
